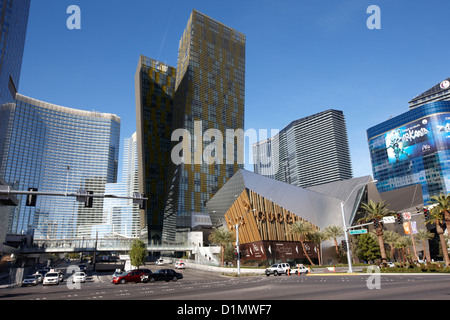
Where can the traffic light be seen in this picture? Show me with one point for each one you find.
(426, 214)
(344, 245)
(399, 218)
(31, 198)
(139, 199)
(89, 200)
(376, 224)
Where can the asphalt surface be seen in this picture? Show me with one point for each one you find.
(207, 286)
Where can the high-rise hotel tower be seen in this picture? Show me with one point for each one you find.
(309, 151)
(210, 94)
(155, 84)
(206, 92)
(58, 149)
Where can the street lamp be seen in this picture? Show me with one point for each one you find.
(236, 226)
(349, 256)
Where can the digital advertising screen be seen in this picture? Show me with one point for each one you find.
(418, 138)
(409, 141)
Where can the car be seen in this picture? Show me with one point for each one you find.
(160, 262)
(143, 270)
(51, 278)
(40, 277)
(82, 267)
(31, 280)
(130, 276)
(79, 277)
(391, 264)
(278, 269)
(162, 275)
(180, 265)
(61, 276)
(300, 269)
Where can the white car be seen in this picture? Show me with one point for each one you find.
(180, 265)
(159, 262)
(278, 269)
(79, 277)
(300, 269)
(51, 278)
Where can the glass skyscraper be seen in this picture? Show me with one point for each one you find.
(155, 89)
(206, 91)
(309, 151)
(13, 28)
(210, 94)
(413, 148)
(58, 149)
(121, 215)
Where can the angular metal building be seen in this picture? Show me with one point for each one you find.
(268, 207)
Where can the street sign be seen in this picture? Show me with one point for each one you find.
(407, 215)
(407, 227)
(390, 219)
(359, 231)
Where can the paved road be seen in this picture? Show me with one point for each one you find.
(198, 285)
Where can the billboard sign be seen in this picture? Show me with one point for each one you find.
(407, 227)
(409, 141)
(418, 138)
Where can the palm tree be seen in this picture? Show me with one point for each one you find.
(335, 232)
(223, 237)
(391, 238)
(437, 219)
(443, 202)
(424, 235)
(303, 229)
(377, 211)
(318, 237)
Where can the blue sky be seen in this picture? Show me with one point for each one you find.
(302, 57)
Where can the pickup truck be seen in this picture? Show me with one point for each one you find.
(278, 269)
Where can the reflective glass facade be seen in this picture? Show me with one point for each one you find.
(210, 94)
(155, 87)
(302, 155)
(412, 148)
(121, 215)
(58, 149)
(13, 28)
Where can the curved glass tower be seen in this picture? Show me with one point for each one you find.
(58, 149)
(413, 148)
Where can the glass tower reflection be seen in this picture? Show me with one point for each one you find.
(58, 149)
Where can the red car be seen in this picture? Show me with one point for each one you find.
(130, 276)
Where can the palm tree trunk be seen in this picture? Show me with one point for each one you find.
(426, 251)
(306, 253)
(382, 248)
(392, 252)
(318, 254)
(440, 231)
(447, 219)
(337, 250)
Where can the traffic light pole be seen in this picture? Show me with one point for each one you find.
(6, 191)
(349, 256)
